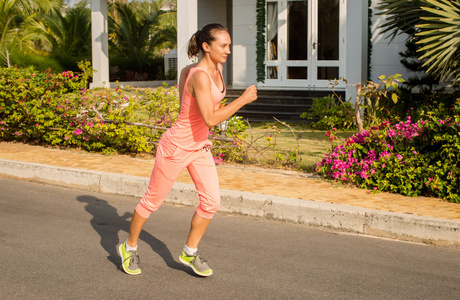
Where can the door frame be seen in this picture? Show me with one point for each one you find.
(312, 63)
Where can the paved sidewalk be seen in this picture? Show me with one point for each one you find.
(276, 194)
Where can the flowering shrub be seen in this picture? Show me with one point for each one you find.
(56, 109)
(29, 109)
(410, 158)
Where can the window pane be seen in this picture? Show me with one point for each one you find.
(328, 29)
(328, 73)
(272, 72)
(272, 31)
(297, 73)
(297, 30)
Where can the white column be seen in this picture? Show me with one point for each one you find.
(187, 24)
(356, 44)
(100, 43)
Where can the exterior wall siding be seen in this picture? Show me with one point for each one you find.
(385, 59)
(244, 46)
(212, 11)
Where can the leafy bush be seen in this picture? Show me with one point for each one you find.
(228, 146)
(39, 63)
(330, 112)
(29, 107)
(410, 158)
(56, 109)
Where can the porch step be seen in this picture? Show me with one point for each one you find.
(285, 105)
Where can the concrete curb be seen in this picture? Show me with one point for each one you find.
(342, 217)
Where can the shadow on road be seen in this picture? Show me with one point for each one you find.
(108, 223)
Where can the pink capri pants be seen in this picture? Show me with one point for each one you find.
(170, 161)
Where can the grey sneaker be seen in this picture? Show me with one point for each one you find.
(197, 264)
(129, 260)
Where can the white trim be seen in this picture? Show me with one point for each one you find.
(99, 43)
(312, 63)
(187, 25)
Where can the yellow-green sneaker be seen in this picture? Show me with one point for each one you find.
(129, 260)
(197, 264)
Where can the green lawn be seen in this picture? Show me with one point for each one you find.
(312, 144)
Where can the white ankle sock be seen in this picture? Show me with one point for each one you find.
(190, 251)
(128, 248)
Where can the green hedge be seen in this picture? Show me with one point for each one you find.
(56, 109)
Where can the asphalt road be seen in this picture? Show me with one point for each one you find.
(59, 243)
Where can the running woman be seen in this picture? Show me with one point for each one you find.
(186, 145)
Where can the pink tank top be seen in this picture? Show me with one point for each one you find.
(190, 132)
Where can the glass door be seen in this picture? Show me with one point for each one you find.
(304, 42)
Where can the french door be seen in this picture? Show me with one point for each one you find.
(304, 42)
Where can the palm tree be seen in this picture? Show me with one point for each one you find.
(436, 23)
(15, 19)
(68, 34)
(137, 32)
(402, 16)
(440, 33)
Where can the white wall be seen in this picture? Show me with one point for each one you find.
(212, 11)
(187, 22)
(100, 43)
(193, 15)
(356, 46)
(244, 43)
(385, 59)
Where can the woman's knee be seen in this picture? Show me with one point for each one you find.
(207, 208)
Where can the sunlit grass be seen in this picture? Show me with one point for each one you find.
(312, 144)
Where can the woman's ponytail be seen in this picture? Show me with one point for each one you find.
(194, 45)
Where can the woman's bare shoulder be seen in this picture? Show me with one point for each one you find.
(186, 70)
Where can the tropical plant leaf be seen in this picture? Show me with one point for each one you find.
(440, 45)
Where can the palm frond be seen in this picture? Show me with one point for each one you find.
(441, 37)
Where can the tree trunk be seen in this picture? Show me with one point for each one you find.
(359, 121)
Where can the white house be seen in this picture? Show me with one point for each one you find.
(306, 42)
